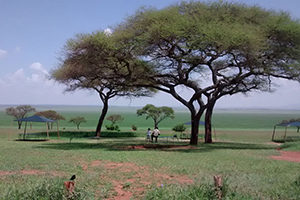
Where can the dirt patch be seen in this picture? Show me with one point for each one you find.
(292, 156)
(130, 180)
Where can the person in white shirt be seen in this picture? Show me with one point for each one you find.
(155, 134)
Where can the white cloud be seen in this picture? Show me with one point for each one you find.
(34, 78)
(38, 67)
(3, 53)
(107, 31)
(17, 76)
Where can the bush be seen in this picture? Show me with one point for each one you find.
(179, 128)
(112, 127)
(134, 127)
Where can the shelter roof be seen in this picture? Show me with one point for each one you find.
(200, 123)
(35, 118)
(290, 124)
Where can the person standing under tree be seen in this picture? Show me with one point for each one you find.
(155, 134)
(149, 132)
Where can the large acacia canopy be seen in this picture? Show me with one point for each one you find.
(213, 49)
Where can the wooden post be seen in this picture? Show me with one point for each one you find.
(47, 131)
(57, 129)
(285, 133)
(25, 130)
(10, 129)
(273, 133)
(218, 186)
(215, 133)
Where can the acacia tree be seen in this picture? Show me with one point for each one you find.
(158, 114)
(19, 112)
(115, 118)
(77, 121)
(213, 49)
(90, 61)
(51, 114)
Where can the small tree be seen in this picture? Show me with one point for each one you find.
(115, 118)
(158, 114)
(134, 127)
(77, 120)
(19, 112)
(51, 114)
(179, 128)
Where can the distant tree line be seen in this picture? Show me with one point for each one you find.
(22, 111)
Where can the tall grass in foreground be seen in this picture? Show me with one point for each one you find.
(207, 191)
(43, 190)
(52, 189)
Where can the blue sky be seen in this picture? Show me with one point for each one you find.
(33, 33)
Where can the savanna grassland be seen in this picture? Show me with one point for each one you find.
(121, 165)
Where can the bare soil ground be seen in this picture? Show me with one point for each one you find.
(130, 180)
(292, 156)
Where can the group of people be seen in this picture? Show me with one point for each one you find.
(152, 134)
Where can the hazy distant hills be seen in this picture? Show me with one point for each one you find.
(97, 108)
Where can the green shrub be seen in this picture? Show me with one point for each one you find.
(134, 127)
(179, 128)
(112, 127)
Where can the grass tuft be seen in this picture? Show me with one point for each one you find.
(48, 189)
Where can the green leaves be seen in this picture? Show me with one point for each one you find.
(158, 114)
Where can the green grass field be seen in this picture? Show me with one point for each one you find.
(121, 164)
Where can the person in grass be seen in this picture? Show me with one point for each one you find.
(149, 132)
(155, 134)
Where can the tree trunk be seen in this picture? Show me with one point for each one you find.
(208, 115)
(155, 124)
(19, 124)
(194, 129)
(102, 116)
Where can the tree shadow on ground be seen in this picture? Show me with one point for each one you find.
(31, 140)
(125, 145)
(91, 134)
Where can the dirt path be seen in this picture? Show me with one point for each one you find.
(292, 156)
